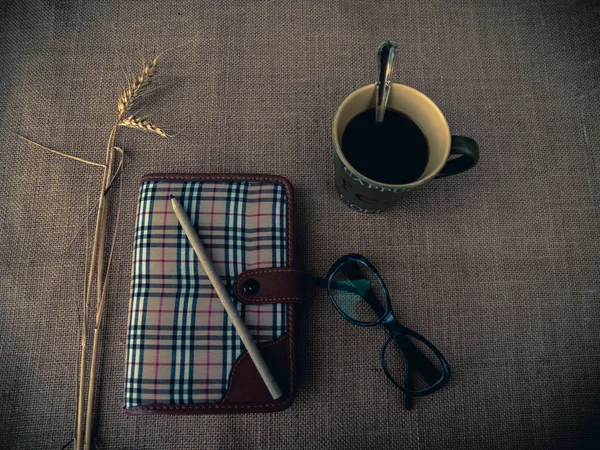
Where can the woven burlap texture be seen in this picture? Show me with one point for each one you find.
(498, 267)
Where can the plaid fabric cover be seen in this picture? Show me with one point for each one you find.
(181, 343)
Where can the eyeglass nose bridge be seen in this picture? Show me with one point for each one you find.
(389, 320)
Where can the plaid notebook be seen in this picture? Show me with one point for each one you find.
(182, 346)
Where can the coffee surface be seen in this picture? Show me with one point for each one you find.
(393, 151)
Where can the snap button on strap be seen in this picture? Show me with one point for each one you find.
(269, 286)
(251, 287)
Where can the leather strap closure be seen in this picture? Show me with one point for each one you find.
(266, 286)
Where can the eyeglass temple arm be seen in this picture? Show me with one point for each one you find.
(318, 282)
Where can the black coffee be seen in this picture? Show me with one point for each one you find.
(393, 151)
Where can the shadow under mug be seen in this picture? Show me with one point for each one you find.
(370, 196)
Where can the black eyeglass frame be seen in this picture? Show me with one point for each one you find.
(398, 332)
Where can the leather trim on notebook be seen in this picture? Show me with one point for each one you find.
(277, 285)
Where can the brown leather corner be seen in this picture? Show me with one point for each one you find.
(277, 285)
(245, 382)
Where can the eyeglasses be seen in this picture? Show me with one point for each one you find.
(409, 360)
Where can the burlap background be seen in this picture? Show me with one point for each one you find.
(498, 267)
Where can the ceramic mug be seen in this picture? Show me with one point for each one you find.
(371, 196)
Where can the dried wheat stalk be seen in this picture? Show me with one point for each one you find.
(97, 268)
(135, 89)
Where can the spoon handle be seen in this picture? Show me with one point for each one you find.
(386, 55)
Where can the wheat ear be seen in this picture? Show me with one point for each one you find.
(144, 124)
(136, 86)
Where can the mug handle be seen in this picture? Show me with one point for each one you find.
(468, 150)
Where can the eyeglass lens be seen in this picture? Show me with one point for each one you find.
(358, 293)
(405, 350)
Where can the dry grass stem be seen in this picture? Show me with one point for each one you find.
(87, 295)
(91, 211)
(118, 171)
(100, 306)
(141, 123)
(98, 322)
(91, 163)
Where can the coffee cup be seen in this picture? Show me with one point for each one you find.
(367, 193)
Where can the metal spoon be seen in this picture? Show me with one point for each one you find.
(386, 55)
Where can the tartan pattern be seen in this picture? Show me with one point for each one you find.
(181, 344)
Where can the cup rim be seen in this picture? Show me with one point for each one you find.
(424, 98)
